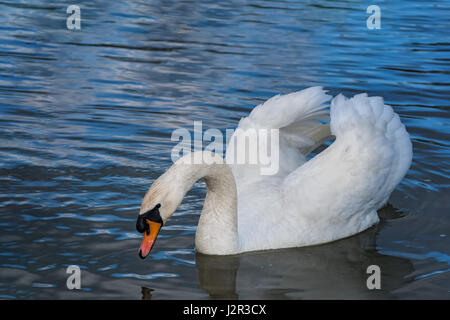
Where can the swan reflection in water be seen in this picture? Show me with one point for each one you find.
(336, 270)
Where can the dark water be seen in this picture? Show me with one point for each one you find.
(85, 124)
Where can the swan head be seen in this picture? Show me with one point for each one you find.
(149, 223)
(158, 205)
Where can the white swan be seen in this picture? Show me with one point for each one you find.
(332, 196)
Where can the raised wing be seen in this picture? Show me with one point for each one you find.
(299, 118)
(343, 186)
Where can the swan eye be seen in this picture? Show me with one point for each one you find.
(152, 215)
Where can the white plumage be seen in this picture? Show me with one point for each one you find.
(332, 196)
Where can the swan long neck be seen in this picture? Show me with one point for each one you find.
(217, 231)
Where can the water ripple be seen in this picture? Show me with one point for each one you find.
(86, 119)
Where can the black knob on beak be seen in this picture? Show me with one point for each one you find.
(152, 215)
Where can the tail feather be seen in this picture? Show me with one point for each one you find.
(369, 119)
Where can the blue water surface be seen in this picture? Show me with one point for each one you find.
(86, 118)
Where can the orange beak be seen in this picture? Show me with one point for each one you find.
(149, 238)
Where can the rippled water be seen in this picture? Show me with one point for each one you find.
(85, 124)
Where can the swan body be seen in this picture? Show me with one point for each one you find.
(334, 195)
